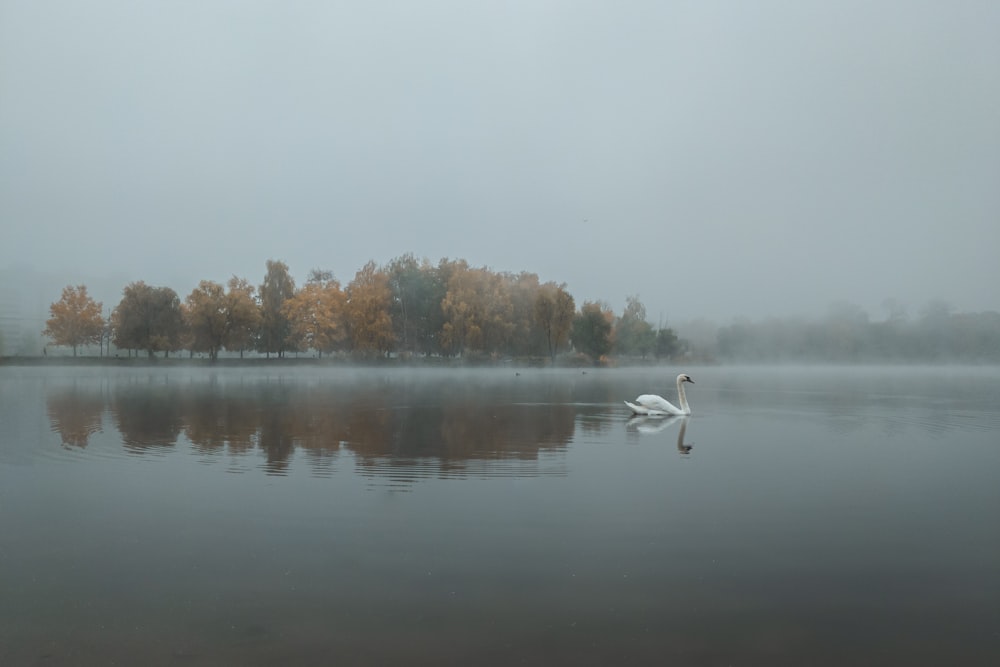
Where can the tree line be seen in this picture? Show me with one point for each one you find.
(407, 307)
(848, 334)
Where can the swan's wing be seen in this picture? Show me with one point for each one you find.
(637, 409)
(652, 402)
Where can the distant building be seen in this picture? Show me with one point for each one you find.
(23, 312)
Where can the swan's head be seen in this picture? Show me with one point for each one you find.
(684, 377)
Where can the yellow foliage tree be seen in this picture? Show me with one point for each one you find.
(76, 319)
(316, 314)
(367, 309)
(478, 310)
(205, 315)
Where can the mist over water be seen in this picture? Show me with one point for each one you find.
(799, 516)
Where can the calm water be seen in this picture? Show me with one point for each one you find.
(800, 517)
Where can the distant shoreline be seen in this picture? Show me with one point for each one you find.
(439, 362)
(161, 362)
(255, 361)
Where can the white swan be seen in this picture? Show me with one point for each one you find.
(657, 406)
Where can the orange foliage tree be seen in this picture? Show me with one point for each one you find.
(76, 319)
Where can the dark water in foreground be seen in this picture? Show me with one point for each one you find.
(178, 517)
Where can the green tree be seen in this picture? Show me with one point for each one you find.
(418, 288)
(554, 310)
(243, 316)
(148, 318)
(76, 319)
(275, 329)
(526, 335)
(592, 330)
(667, 344)
(633, 334)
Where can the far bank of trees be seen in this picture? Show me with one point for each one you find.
(412, 308)
(408, 307)
(847, 334)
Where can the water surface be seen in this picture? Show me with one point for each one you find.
(326, 516)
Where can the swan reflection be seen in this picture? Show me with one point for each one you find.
(652, 425)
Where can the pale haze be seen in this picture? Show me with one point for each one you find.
(717, 159)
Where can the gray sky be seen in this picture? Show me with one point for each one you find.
(716, 158)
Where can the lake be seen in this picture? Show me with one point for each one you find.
(315, 516)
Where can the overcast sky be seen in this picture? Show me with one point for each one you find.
(717, 159)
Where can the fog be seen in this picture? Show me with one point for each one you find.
(718, 160)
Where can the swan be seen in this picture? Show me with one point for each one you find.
(657, 406)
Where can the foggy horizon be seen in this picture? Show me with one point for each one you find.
(719, 162)
(108, 288)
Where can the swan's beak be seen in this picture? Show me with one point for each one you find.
(687, 379)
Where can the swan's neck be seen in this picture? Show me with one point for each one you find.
(682, 397)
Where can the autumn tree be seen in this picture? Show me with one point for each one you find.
(633, 334)
(275, 329)
(205, 315)
(592, 330)
(554, 310)
(76, 319)
(369, 323)
(243, 316)
(148, 318)
(477, 310)
(316, 313)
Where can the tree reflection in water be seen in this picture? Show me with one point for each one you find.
(390, 428)
(147, 416)
(75, 413)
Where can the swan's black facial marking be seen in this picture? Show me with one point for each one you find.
(687, 378)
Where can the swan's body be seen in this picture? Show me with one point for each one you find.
(657, 406)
